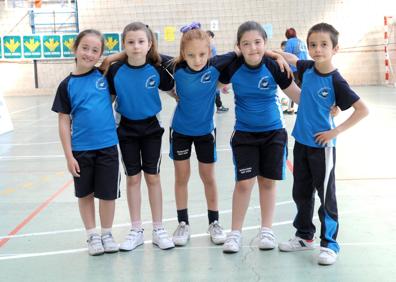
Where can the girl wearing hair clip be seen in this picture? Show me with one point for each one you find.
(196, 77)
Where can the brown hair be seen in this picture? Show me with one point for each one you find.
(290, 33)
(83, 33)
(153, 55)
(324, 27)
(188, 36)
(249, 26)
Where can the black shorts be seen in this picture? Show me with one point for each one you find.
(99, 173)
(260, 153)
(140, 144)
(205, 146)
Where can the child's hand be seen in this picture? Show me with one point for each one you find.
(283, 65)
(334, 111)
(73, 167)
(105, 65)
(323, 138)
(173, 94)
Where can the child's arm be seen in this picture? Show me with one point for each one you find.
(360, 111)
(107, 61)
(293, 92)
(172, 93)
(65, 137)
(283, 64)
(289, 57)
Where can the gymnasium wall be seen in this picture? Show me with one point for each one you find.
(360, 23)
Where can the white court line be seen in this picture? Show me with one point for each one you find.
(29, 108)
(125, 224)
(71, 251)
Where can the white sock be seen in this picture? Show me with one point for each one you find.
(158, 225)
(90, 232)
(269, 230)
(137, 225)
(106, 230)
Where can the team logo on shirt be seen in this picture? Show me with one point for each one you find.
(101, 83)
(150, 82)
(263, 83)
(324, 92)
(206, 77)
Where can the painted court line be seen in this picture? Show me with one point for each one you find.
(72, 251)
(29, 108)
(35, 212)
(125, 224)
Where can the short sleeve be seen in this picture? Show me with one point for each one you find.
(228, 71)
(345, 97)
(302, 66)
(280, 77)
(220, 62)
(111, 75)
(62, 100)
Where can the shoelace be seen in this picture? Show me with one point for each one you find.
(181, 229)
(216, 228)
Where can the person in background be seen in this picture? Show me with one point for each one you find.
(297, 47)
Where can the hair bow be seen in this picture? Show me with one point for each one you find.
(191, 26)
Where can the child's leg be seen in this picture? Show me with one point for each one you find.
(134, 197)
(182, 176)
(87, 211)
(324, 181)
(240, 202)
(155, 196)
(106, 213)
(267, 190)
(207, 174)
(303, 192)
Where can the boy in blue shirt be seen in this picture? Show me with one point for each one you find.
(315, 134)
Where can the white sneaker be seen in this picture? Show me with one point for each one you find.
(109, 245)
(233, 242)
(162, 239)
(181, 234)
(95, 246)
(133, 239)
(296, 244)
(267, 239)
(327, 256)
(217, 234)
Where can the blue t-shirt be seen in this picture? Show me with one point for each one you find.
(257, 106)
(319, 92)
(298, 48)
(86, 98)
(193, 115)
(136, 88)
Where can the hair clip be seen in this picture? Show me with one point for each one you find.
(191, 26)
